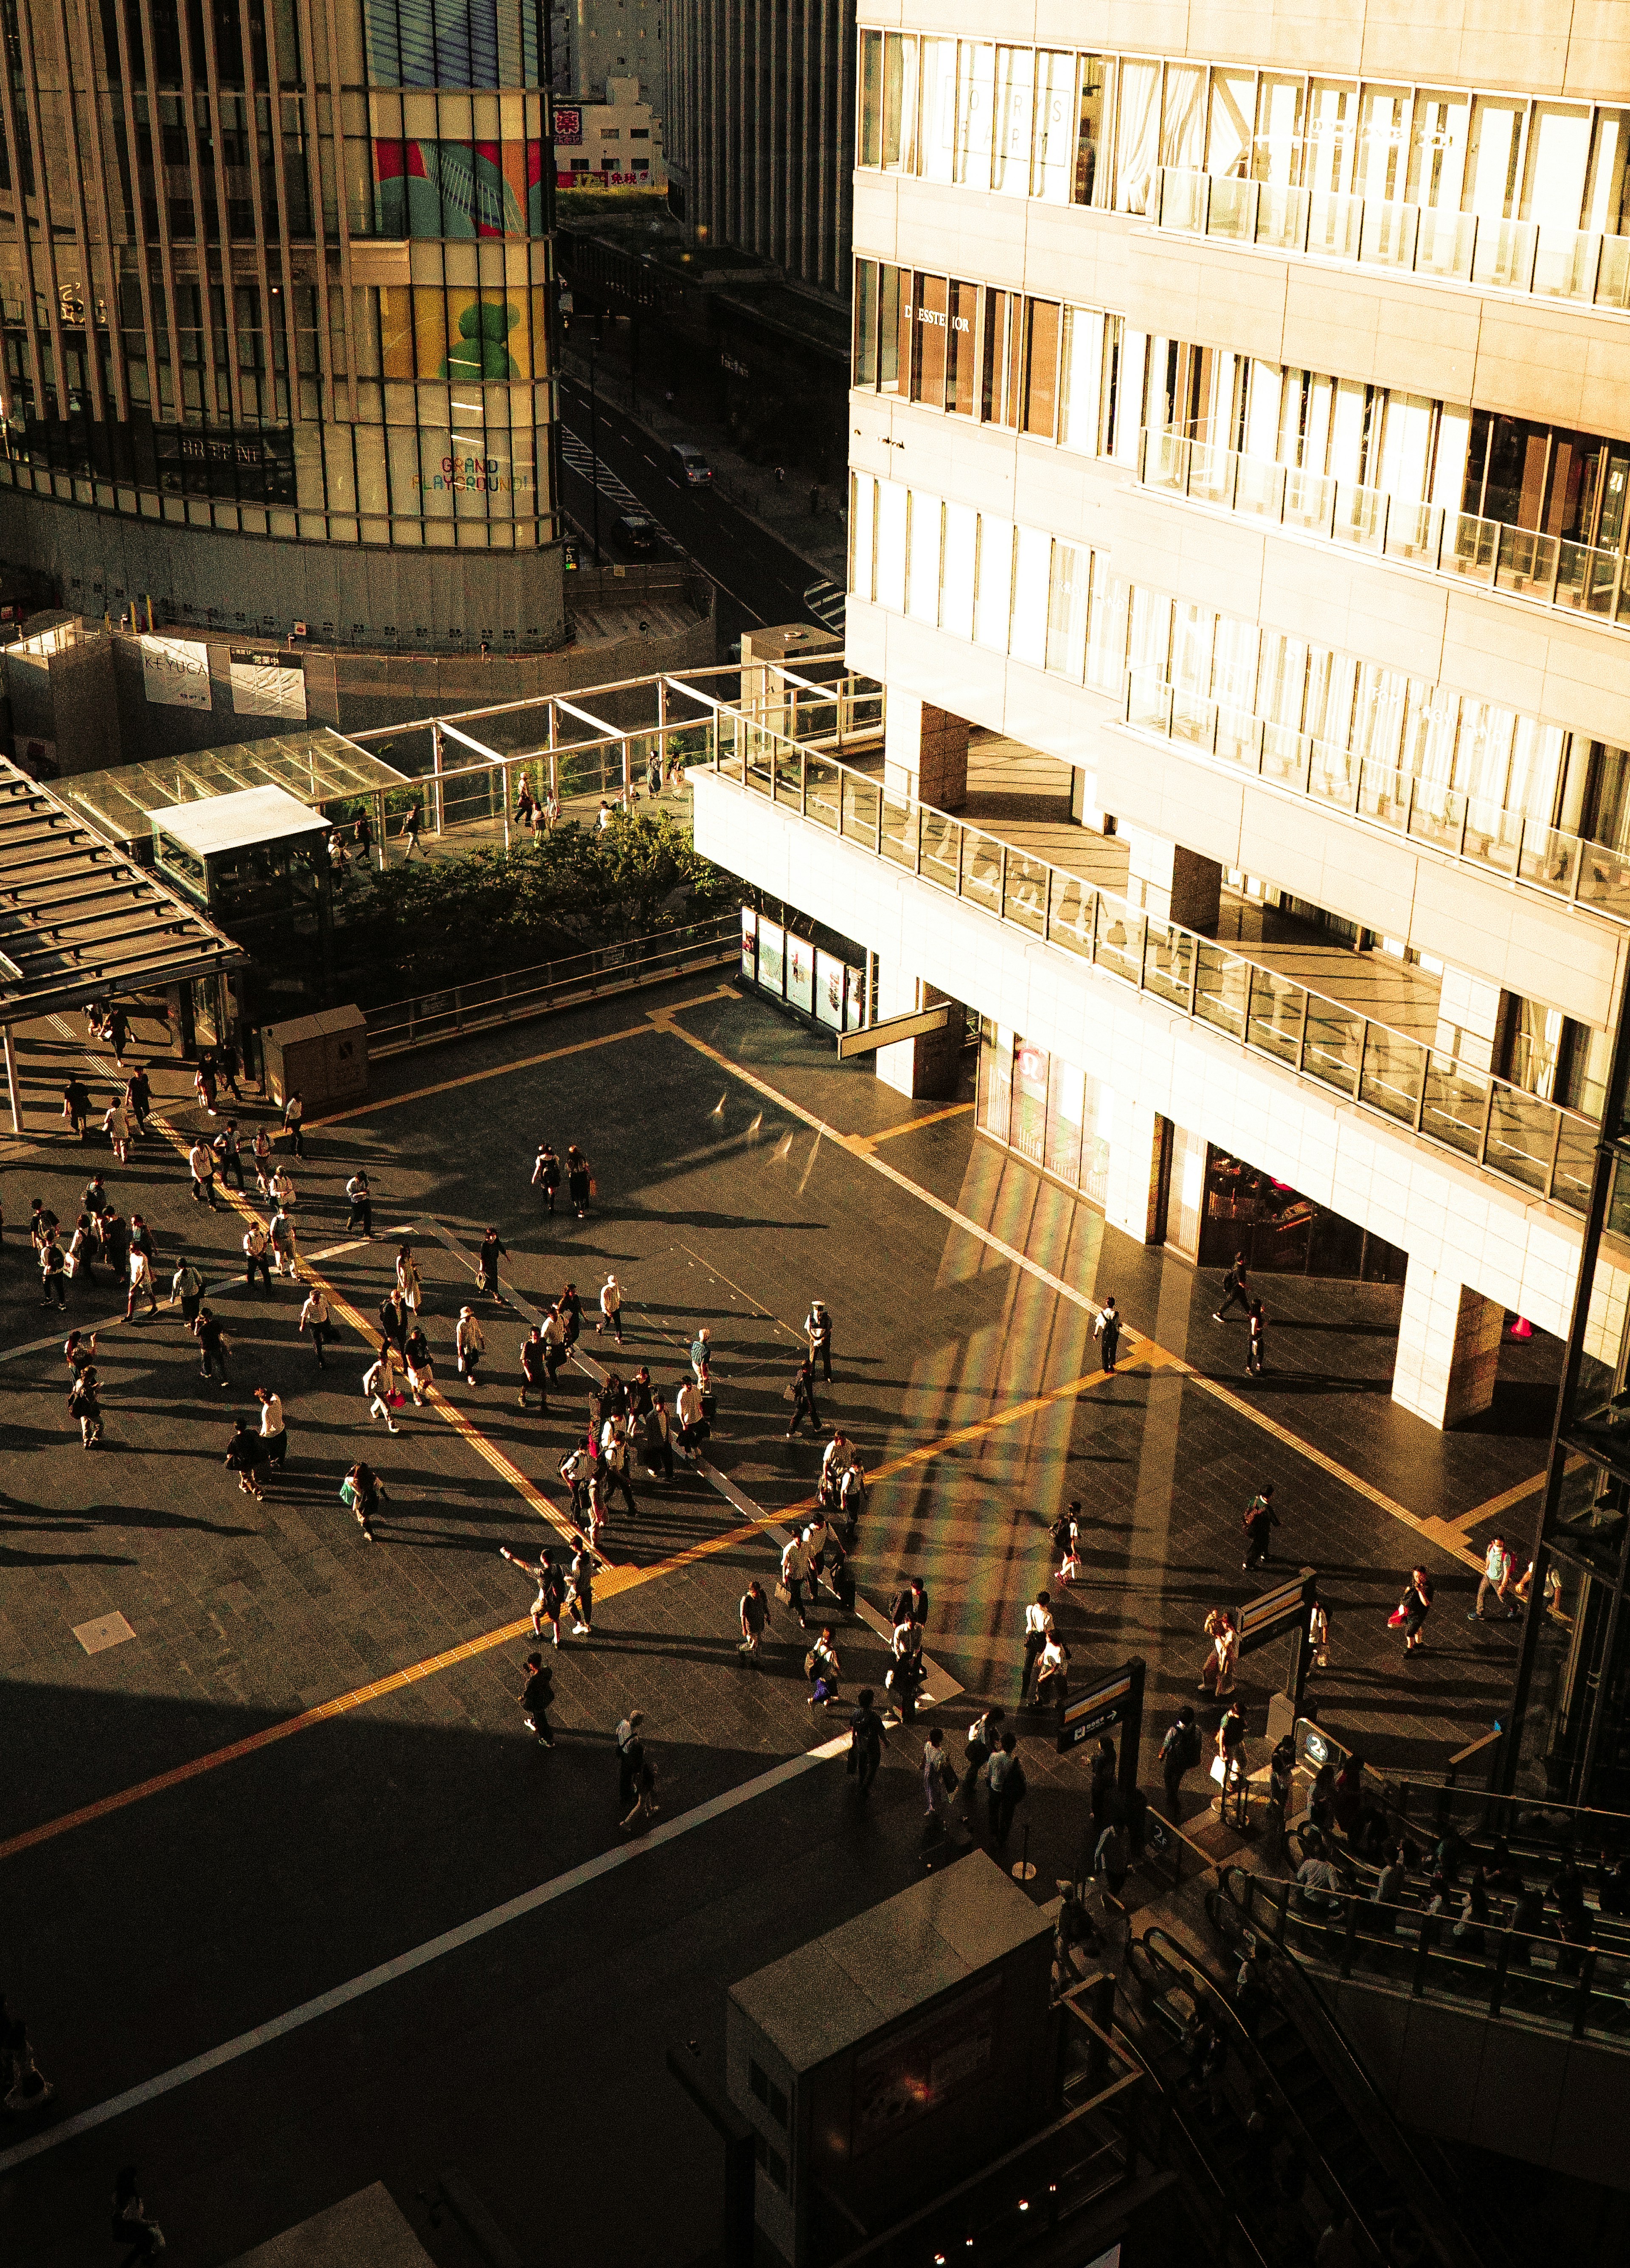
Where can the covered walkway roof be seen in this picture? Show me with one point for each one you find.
(78, 919)
(314, 763)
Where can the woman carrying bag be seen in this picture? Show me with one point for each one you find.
(471, 1344)
(1216, 1672)
(1410, 1614)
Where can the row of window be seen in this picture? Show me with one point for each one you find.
(1096, 128)
(1057, 606)
(1078, 377)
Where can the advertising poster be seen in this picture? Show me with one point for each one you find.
(829, 991)
(749, 944)
(458, 189)
(918, 2071)
(175, 672)
(772, 953)
(460, 333)
(267, 683)
(801, 974)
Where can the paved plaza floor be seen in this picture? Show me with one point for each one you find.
(290, 1813)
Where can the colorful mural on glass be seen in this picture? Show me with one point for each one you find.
(459, 188)
(462, 333)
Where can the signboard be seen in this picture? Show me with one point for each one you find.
(1113, 1697)
(175, 672)
(895, 1028)
(568, 126)
(267, 683)
(906, 2079)
(1284, 1608)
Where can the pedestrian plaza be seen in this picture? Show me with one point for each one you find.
(271, 1791)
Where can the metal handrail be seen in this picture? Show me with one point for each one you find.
(1523, 562)
(1536, 1144)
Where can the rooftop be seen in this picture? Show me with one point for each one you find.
(312, 762)
(230, 823)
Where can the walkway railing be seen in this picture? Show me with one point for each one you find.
(1577, 1989)
(1469, 827)
(1582, 265)
(1545, 1149)
(1579, 577)
(523, 993)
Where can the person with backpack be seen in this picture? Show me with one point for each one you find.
(243, 1455)
(1067, 1537)
(1180, 1753)
(1235, 1288)
(1260, 1523)
(867, 1740)
(984, 1738)
(360, 1492)
(822, 1667)
(1107, 1328)
(85, 1402)
(535, 1697)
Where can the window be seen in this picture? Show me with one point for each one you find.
(956, 570)
(975, 111)
(993, 598)
(1067, 610)
(899, 102)
(939, 109)
(1091, 178)
(1137, 137)
(1015, 115)
(862, 517)
(770, 2162)
(891, 587)
(870, 135)
(866, 322)
(961, 316)
(927, 344)
(1053, 161)
(1031, 576)
(922, 574)
(1042, 362)
(1004, 358)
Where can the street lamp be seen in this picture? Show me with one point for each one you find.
(594, 463)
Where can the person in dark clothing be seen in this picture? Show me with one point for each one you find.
(1180, 1753)
(535, 1697)
(867, 1738)
(534, 1370)
(76, 1107)
(393, 1319)
(804, 1403)
(493, 1249)
(244, 1455)
(569, 1306)
(545, 1172)
(139, 1094)
(1260, 1521)
(1234, 1288)
(578, 1180)
(1256, 1345)
(1103, 1788)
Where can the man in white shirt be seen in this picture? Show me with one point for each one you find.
(141, 1284)
(611, 1309)
(274, 1433)
(794, 1571)
(256, 1246)
(314, 1318)
(1038, 1630)
(201, 1165)
(687, 1408)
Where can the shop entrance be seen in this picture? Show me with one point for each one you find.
(1281, 1233)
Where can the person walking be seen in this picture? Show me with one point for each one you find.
(754, 1613)
(939, 1780)
(1217, 1673)
(867, 1740)
(822, 1667)
(138, 1090)
(76, 1107)
(1066, 1536)
(1413, 1607)
(1499, 1570)
(1038, 1630)
(244, 1454)
(1180, 1753)
(984, 1739)
(534, 1370)
(83, 1247)
(910, 1603)
(1256, 1341)
(702, 1351)
(470, 1344)
(1005, 1789)
(212, 1346)
(274, 1430)
(545, 1172)
(409, 1289)
(637, 1775)
(41, 1225)
(613, 1463)
(84, 1404)
(285, 1252)
(226, 1069)
(294, 1123)
(228, 1151)
(692, 1419)
(492, 1250)
(409, 836)
(361, 1491)
(203, 1084)
(817, 1331)
(262, 1154)
(611, 1309)
(53, 1273)
(131, 2227)
(257, 1256)
(1111, 1861)
(580, 1588)
(201, 1165)
(1107, 1328)
(579, 1180)
(314, 1318)
(657, 1437)
(116, 1126)
(116, 1032)
(1235, 1290)
(141, 1285)
(1231, 1749)
(392, 1318)
(380, 1386)
(906, 1674)
(1052, 1673)
(1260, 1523)
(283, 1192)
(802, 1396)
(795, 1573)
(186, 1287)
(535, 1697)
(359, 1197)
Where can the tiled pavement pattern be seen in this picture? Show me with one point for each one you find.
(158, 1929)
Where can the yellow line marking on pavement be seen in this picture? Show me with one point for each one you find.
(618, 1581)
(863, 1145)
(1445, 1534)
(1149, 1356)
(493, 1070)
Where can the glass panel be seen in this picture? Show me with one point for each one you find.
(1233, 212)
(1211, 474)
(1238, 736)
(1284, 754)
(1221, 984)
(1493, 834)
(1333, 224)
(1437, 815)
(824, 784)
(1455, 1099)
(982, 870)
(1120, 939)
(1334, 776)
(1282, 216)
(1413, 531)
(1149, 700)
(760, 761)
(1360, 517)
(1070, 918)
(1575, 1163)
(1309, 499)
(1168, 961)
(1612, 283)
(1273, 1014)
(1473, 549)
(1504, 255)
(788, 775)
(1391, 1073)
(1526, 561)
(1260, 487)
(939, 849)
(1445, 243)
(1550, 859)
(1165, 459)
(1193, 720)
(1387, 235)
(1336, 1034)
(1183, 200)
(861, 800)
(1604, 880)
(1384, 794)
(1586, 578)
(1025, 894)
(1030, 1101)
(1065, 1099)
(899, 832)
(1521, 1129)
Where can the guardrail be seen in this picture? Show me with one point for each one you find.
(1583, 265)
(1469, 828)
(536, 991)
(1546, 1150)
(1524, 563)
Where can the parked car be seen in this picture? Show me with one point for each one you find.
(692, 466)
(636, 532)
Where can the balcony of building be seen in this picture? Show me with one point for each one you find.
(1356, 1026)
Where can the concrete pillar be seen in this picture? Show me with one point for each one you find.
(1172, 883)
(925, 752)
(927, 1068)
(1132, 1197)
(1448, 1347)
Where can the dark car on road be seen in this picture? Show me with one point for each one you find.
(635, 533)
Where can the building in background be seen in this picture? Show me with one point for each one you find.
(1239, 463)
(612, 143)
(593, 41)
(276, 287)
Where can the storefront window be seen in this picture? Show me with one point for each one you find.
(801, 975)
(1064, 1094)
(1030, 1101)
(995, 1079)
(772, 955)
(749, 945)
(1281, 1233)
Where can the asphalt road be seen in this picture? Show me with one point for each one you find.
(759, 578)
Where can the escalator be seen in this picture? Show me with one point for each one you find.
(1288, 2151)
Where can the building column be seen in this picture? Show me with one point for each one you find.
(1448, 1347)
(925, 752)
(1132, 1196)
(1173, 884)
(926, 1068)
